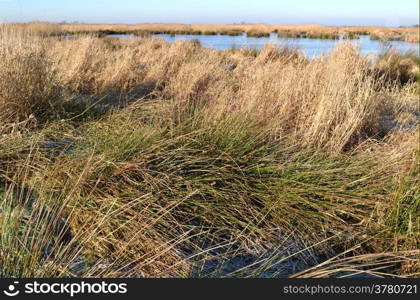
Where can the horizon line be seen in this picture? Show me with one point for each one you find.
(208, 24)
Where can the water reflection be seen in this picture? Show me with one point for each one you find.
(311, 47)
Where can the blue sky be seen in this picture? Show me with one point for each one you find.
(328, 12)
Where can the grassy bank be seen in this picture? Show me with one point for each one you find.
(139, 158)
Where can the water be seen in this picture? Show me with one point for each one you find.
(121, 36)
(311, 47)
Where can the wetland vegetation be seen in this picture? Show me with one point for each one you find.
(140, 158)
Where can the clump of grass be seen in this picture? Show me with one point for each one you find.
(232, 32)
(251, 52)
(193, 175)
(412, 38)
(87, 66)
(324, 36)
(29, 84)
(257, 34)
(396, 38)
(386, 37)
(292, 35)
(361, 32)
(375, 37)
(209, 32)
(196, 42)
(351, 36)
(402, 217)
(397, 67)
(142, 33)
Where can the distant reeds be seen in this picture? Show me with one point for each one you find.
(232, 32)
(257, 34)
(351, 36)
(409, 34)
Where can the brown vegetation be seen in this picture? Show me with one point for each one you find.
(409, 34)
(139, 158)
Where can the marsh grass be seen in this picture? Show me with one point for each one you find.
(28, 80)
(351, 36)
(399, 67)
(44, 29)
(155, 160)
(257, 34)
(232, 32)
(409, 34)
(323, 36)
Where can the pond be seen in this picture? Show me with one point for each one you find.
(311, 47)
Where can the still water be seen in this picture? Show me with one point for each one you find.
(311, 47)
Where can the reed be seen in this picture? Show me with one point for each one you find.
(138, 158)
(257, 34)
(351, 36)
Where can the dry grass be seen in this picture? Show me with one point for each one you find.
(409, 34)
(89, 65)
(132, 158)
(27, 79)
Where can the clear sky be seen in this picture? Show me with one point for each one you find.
(328, 12)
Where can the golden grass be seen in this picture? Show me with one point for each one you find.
(28, 82)
(138, 158)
